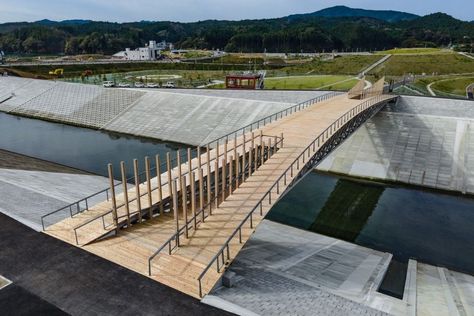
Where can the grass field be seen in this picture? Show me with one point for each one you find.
(310, 82)
(404, 51)
(440, 64)
(344, 65)
(453, 86)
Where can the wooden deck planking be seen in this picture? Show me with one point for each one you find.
(132, 247)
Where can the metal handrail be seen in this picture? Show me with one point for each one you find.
(283, 113)
(202, 211)
(324, 136)
(260, 123)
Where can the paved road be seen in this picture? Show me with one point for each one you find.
(80, 283)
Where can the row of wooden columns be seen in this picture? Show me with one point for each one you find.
(228, 176)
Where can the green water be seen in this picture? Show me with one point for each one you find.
(431, 227)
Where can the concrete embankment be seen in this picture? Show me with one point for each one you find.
(421, 141)
(187, 116)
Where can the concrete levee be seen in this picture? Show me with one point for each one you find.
(180, 115)
(420, 141)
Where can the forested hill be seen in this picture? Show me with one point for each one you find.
(337, 28)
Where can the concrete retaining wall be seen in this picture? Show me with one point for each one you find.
(421, 141)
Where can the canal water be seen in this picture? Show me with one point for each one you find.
(76, 147)
(429, 226)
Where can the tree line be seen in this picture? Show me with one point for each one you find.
(302, 34)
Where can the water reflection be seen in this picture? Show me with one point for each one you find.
(347, 210)
(428, 226)
(76, 147)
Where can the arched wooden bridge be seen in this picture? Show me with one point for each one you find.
(186, 240)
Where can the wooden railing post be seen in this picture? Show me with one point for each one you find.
(148, 185)
(208, 163)
(170, 179)
(193, 197)
(158, 180)
(244, 154)
(231, 175)
(216, 182)
(224, 178)
(137, 189)
(184, 198)
(251, 153)
(112, 192)
(174, 189)
(125, 191)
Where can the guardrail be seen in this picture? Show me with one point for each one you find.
(208, 206)
(312, 148)
(272, 118)
(68, 209)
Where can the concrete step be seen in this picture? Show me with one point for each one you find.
(462, 288)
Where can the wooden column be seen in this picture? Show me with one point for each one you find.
(244, 154)
(200, 178)
(231, 175)
(201, 189)
(282, 139)
(174, 189)
(125, 191)
(148, 186)
(193, 196)
(262, 149)
(275, 144)
(216, 182)
(184, 194)
(180, 173)
(269, 148)
(112, 193)
(237, 162)
(251, 157)
(217, 150)
(158, 180)
(137, 189)
(190, 163)
(170, 184)
(224, 178)
(208, 160)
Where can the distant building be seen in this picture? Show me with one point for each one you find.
(247, 81)
(150, 52)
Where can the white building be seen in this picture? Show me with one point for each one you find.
(150, 52)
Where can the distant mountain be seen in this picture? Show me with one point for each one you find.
(64, 22)
(343, 11)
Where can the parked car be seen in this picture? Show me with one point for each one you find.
(152, 85)
(169, 84)
(139, 85)
(108, 84)
(124, 85)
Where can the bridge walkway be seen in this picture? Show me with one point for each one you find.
(98, 220)
(133, 247)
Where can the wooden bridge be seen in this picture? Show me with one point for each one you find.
(192, 217)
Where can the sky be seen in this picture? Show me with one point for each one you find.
(196, 10)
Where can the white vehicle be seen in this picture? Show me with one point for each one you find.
(124, 85)
(169, 84)
(108, 84)
(139, 85)
(152, 85)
